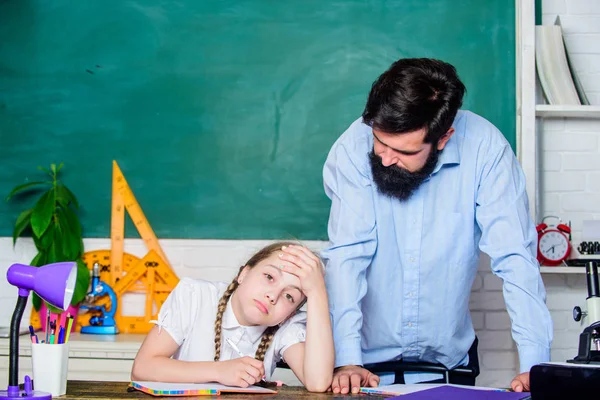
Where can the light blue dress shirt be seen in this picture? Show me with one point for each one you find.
(399, 274)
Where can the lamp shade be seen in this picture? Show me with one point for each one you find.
(54, 283)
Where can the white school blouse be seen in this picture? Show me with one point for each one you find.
(189, 314)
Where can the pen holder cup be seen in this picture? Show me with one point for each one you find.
(50, 364)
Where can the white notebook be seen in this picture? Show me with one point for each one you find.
(193, 389)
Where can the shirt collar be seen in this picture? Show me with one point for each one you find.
(450, 154)
(230, 322)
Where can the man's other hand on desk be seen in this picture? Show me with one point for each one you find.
(352, 376)
(520, 383)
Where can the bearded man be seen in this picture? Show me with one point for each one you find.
(418, 188)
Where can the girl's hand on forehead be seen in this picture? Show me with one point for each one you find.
(300, 261)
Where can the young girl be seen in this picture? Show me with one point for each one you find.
(234, 335)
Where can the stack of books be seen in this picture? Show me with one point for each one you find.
(555, 71)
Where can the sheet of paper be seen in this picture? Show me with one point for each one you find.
(400, 388)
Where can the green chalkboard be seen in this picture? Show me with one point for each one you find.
(220, 112)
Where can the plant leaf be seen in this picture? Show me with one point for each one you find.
(42, 213)
(36, 241)
(82, 284)
(72, 220)
(53, 255)
(53, 168)
(22, 187)
(64, 196)
(59, 167)
(37, 302)
(23, 221)
(69, 240)
(66, 193)
(44, 169)
(73, 198)
(48, 238)
(39, 259)
(53, 310)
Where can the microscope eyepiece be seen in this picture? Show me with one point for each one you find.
(591, 270)
(96, 270)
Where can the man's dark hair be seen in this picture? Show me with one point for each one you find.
(415, 93)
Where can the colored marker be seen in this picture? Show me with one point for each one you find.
(69, 325)
(52, 332)
(32, 334)
(47, 323)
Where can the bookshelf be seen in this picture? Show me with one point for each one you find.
(562, 270)
(530, 114)
(566, 111)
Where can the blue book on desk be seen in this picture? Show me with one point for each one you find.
(448, 392)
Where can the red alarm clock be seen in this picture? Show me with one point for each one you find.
(554, 242)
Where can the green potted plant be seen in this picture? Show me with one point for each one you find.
(55, 229)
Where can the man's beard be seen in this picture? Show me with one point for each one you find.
(397, 182)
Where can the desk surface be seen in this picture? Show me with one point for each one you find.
(97, 390)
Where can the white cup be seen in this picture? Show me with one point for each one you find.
(50, 364)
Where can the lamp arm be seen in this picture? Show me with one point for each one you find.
(15, 323)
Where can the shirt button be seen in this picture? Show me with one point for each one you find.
(409, 324)
(415, 221)
(412, 259)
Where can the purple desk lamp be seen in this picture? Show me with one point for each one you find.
(55, 284)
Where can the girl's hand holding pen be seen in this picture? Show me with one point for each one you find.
(239, 352)
(242, 372)
(300, 261)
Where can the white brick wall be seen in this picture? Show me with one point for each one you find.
(570, 164)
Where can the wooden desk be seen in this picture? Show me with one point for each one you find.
(98, 390)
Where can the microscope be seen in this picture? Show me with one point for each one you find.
(589, 339)
(580, 376)
(103, 321)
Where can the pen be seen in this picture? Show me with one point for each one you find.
(234, 347)
(47, 323)
(237, 350)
